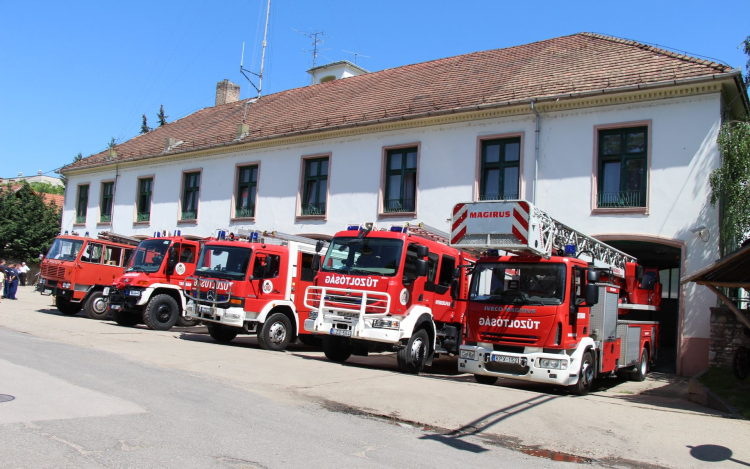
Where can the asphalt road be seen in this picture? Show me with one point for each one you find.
(93, 394)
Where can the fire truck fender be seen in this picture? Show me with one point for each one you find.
(419, 317)
(587, 343)
(148, 293)
(279, 304)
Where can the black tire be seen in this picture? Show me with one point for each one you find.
(642, 369)
(310, 340)
(161, 313)
(489, 380)
(66, 307)
(275, 333)
(220, 333)
(96, 306)
(585, 375)
(184, 321)
(741, 363)
(126, 319)
(411, 359)
(335, 349)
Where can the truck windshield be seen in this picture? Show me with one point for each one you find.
(508, 283)
(149, 256)
(229, 262)
(65, 249)
(351, 255)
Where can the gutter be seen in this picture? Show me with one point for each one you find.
(536, 152)
(734, 73)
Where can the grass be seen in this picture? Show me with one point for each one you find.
(736, 392)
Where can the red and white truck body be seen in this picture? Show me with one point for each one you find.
(555, 308)
(253, 283)
(150, 289)
(389, 290)
(77, 269)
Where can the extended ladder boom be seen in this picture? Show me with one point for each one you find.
(520, 227)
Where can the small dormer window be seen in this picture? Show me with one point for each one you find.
(327, 78)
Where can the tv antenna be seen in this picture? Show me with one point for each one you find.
(356, 54)
(262, 59)
(316, 41)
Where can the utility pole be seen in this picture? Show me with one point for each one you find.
(262, 58)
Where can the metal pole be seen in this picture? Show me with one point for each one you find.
(263, 55)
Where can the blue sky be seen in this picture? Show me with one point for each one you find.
(75, 74)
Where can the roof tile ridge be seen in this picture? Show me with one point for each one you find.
(660, 50)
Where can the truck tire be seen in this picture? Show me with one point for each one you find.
(67, 307)
(161, 313)
(585, 375)
(488, 380)
(275, 333)
(335, 349)
(310, 340)
(126, 319)
(96, 306)
(411, 359)
(220, 333)
(642, 369)
(184, 321)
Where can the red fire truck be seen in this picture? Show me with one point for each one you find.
(150, 289)
(389, 290)
(559, 310)
(77, 269)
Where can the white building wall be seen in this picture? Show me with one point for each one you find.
(683, 152)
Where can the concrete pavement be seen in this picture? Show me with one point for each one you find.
(621, 424)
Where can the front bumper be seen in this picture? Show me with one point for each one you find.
(232, 316)
(520, 366)
(333, 323)
(119, 301)
(56, 291)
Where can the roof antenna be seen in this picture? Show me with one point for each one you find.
(315, 49)
(356, 54)
(262, 60)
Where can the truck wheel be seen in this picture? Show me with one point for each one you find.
(585, 376)
(96, 306)
(482, 379)
(335, 349)
(642, 370)
(161, 313)
(221, 334)
(310, 340)
(184, 321)
(126, 319)
(66, 307)
(275, 333)
(411, 359)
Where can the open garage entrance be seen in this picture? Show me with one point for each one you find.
(668, 259)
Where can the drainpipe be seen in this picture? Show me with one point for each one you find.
(536, 152)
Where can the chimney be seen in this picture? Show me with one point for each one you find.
(227, 92)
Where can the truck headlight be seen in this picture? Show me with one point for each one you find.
(385, 323)
(553, 364)
(66, 285)
(42, 281)
(468, 354)
(313, 315)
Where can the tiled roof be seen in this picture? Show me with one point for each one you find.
(58, 200)
(576, 64)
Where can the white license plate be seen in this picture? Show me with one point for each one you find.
(115, 307)
(205, 309)
(506, 359)
(341, 332)
(105, 292)
(47, 290)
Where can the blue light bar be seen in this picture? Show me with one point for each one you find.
(398, 229)
(178, 233)
(570, 250)
(66, 232)
(352, 228)
(255, 236)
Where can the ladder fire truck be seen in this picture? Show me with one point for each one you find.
(254, 283)
(76, 270)
(389, 290)
(150, 289)
(558, 310)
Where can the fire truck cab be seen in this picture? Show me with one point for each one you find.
(76, 270)
(389, 290)
(253, 283)
(150, 289)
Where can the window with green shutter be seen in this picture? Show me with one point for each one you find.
(190, 190)
(105, 210)
(145, 189)
(315, 188)
(247, 188)
(83, 202)
(400, 180)
(622, 168)
(500, 169)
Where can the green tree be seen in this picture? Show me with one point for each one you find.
(746, 49)
(144, 125)
(47, 188)
(29, 224)
(112, 143)
(162, 118)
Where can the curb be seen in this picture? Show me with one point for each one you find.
(700, 394)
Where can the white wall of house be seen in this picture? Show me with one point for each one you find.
(683, 152)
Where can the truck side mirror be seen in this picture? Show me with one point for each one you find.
(422, 252)
(319, 246)
(457, 273)
(454, 287)
(648, 281)
(316, 261)
(171, 260)
(420, 268)
(592, 294)
(592, 276)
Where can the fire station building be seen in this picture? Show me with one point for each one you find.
(612, 137)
